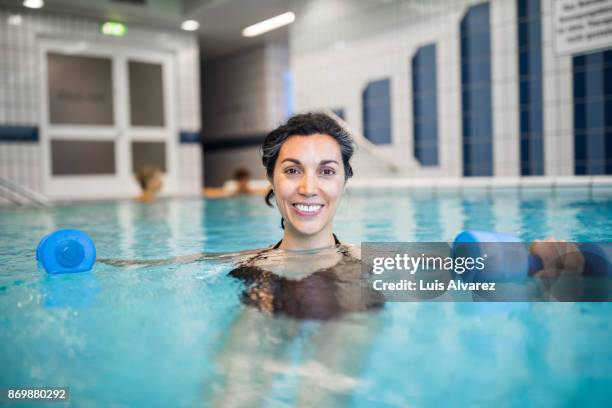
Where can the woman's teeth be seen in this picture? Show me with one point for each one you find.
(308, 208)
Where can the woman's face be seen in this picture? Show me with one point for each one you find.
(308, 182)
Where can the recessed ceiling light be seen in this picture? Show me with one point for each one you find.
(35, 4)
(190, 25)
(15, 19)
(269, 24)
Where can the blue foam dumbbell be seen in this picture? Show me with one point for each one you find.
(66, 251)
(508, 258)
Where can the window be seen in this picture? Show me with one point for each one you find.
(593, 113)
(377, 111)
(476, 92)
(530, 88)
(424, 106)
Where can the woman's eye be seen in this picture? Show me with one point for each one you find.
(291, 171)
(328, 172)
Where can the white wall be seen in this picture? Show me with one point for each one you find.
(20, 86)
(338, 46)
(558, 101)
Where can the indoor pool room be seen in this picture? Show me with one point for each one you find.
(305, 203)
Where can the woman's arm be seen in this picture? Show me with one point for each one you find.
(183, 259)
(558, 258)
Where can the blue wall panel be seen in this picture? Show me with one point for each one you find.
(18, 133)
(530, 88)
(593, 113)
(476, 92)
(425, 106)
(376, 99)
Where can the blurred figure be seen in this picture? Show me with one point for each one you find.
(149, 178)
(242, 176)
(240, 187)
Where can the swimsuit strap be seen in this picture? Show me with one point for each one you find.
(336, 242)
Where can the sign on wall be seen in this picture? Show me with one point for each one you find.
(582, 25)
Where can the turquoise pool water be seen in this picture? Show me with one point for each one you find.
(177, 335)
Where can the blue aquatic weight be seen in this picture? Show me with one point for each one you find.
(508, 259)
(66, 251)
(597, 258)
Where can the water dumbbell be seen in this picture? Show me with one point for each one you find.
(66, 251)
(508, 259)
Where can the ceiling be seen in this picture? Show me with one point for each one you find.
(221, 21)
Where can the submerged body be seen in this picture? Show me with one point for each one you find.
(314, 284)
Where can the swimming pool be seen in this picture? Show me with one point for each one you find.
(163, 335)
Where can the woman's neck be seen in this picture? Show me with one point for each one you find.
(293, 241)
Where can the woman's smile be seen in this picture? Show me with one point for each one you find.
(307, 210)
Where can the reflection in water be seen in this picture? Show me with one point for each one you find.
(239, 223)
(427, 220)
(74, 290)
(532, 218)
(322, 362)
(478, 214)
(151, 225)
(591, 217)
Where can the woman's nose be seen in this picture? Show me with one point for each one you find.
(308, 185)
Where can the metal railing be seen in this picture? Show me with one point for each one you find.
(365, 144)
(20, 195)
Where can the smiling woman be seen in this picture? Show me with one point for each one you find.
(308, 275)
(307, 164)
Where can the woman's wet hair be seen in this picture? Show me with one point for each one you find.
(306, 124)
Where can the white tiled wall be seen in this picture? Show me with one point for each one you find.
(20, 87)
(190, 168)
(20, 162)
(505, 92)
(557, 100)
(337, 46)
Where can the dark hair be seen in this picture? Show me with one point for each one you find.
(306, 124)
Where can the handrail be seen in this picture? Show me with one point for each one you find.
(362, 141)
(30, 196)
(9, 196)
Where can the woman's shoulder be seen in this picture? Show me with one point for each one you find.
(351, 250)
(272, 261)
(250, 268)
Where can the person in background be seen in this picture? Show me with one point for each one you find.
(241, 181)
(149, 179)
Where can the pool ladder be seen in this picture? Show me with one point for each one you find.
(20, 195)
(365, 144)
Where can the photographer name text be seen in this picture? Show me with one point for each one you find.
(424, 285)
